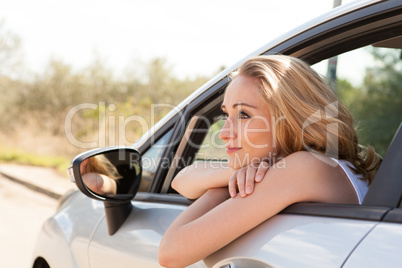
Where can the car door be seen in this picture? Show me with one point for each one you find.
(383, 245)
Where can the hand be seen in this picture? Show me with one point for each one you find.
(245, 178)
(100, 184)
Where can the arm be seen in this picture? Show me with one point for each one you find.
(194, 180)
(184, 224)
(214, 221)
(100, 183)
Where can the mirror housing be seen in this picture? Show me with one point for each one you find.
(111, 175)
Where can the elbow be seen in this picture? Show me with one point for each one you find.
(166, 261)
(184, 186)
(167, 258)
(173, 251)
(183, 191)
(171, 262)
(179, 181)
(176, 184)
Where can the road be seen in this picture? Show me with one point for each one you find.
(22, 213)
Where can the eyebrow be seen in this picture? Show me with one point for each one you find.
(239, 104)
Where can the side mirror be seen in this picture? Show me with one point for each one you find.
(112, 175)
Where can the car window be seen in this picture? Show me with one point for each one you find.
(151, 159)
(368, 81)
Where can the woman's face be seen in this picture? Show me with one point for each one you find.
(247, 131)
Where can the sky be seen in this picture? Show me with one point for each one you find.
(196, 38)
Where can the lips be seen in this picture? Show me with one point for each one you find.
(231, 150)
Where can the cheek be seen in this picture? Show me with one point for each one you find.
(259, 142)
(258, 135)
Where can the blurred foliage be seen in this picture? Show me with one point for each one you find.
(19, 156)
(45, 101)
(213, 148)
(377, 104)
(118, 109)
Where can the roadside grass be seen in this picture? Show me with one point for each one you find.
(18, 156)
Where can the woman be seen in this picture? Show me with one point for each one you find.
(279, 114)
(99, 175)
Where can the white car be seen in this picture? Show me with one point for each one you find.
(91, 230)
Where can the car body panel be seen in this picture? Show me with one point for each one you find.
(297, 241)
(381, 248)
(284, 240)
(65, 237)
(52, 247)
(137, 241)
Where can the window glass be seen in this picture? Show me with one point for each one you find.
(213, 148)
(151, 159)
(368, 82)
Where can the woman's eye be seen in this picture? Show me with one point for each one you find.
(243, 115)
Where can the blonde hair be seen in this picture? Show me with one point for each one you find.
(100, 164)
(308, 115)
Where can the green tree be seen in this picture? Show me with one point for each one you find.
(378, 104)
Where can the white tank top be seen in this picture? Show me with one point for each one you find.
(361, 187)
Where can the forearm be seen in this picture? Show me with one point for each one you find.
(205, 203)
(193, 181)
(173, 249)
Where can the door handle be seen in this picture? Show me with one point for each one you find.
(242, 263)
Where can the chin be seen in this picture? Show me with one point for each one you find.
(236, 163)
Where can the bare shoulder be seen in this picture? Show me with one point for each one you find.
(317, 178)
(303, 169)
(308, 162)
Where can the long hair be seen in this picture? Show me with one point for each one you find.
(100, 164)
(308, 115)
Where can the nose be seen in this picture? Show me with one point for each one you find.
(228, 131)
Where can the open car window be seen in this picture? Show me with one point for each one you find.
(367, 80)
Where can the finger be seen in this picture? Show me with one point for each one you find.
(241, 178)
(232, 186)
(262, 170)
(250, 175)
